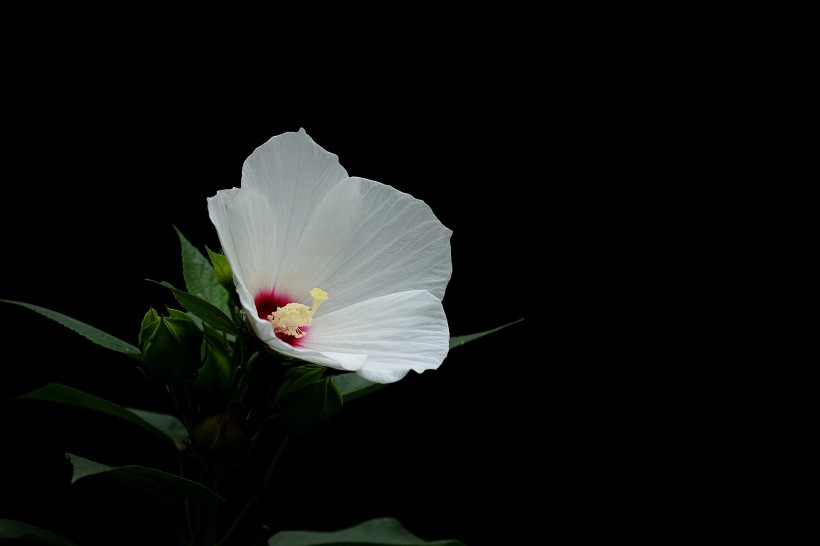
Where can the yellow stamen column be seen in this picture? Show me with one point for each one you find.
(290, 318)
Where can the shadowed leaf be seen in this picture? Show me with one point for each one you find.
(89, 332)
(461, 340)
(352, 386)
(374, 532)
(24, 533)
(162, 485)
(166, 427)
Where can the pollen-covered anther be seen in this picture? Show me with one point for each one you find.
(319, 296)
(290, 318)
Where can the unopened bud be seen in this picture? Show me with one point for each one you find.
(222, 433)
(308, 399)
(171, 346)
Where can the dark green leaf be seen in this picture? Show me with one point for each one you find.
(352, 386)
(22, 532)
(161, 426)
(167, 424)
(203, 309)
(160, 484)
(375, 532)
(461, 340)
(200, 277)
(89, 332)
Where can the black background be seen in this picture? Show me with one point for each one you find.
(495, 443)
(591, 170)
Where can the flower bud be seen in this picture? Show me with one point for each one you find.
(171, 346)
(222, 433)
(308, 399)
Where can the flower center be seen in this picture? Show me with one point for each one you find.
(291, 318)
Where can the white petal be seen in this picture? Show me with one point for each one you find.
(366, 240)
(294, 174)
(345, 361)
(264, 331)
(248, 237)
(398, 333)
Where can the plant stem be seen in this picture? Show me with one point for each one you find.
(240, 519)
(259, 493)
(187, 503)
(269, 473)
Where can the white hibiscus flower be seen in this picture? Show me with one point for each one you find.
(339, 271)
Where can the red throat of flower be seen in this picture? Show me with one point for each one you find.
(291, 321)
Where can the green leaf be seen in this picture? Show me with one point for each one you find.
(200, 277)
(353, 386)
(167, 424)
(461, 340)
(375, 532)
(162, 426)
(29, 534)
(202, 309)
(89, 332)
(162, 485)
